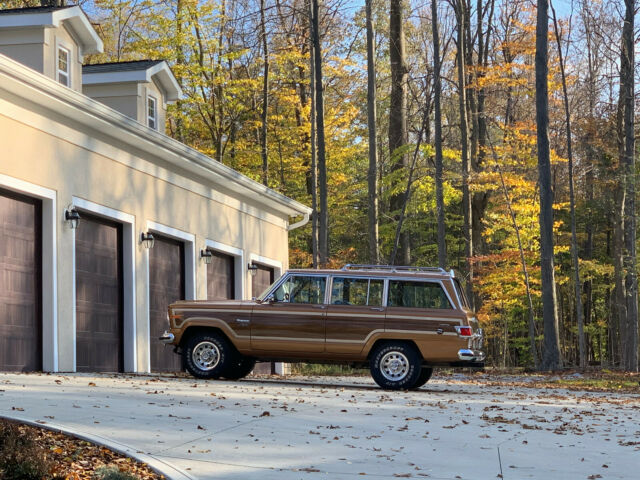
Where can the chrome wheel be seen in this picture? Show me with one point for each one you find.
(206, 355)
(394, 366)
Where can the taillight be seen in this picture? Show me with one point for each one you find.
(464, 331)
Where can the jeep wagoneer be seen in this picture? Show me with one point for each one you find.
(398, 321)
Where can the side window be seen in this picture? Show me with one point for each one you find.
(405, 293)
(64, 67)
(301, 289)
(356, 291)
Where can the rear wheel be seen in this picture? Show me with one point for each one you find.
(395, 365)
(208, 355)
(425, 375)
(240, 369)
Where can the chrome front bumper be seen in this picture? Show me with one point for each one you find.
(468, 355)
(167, 337)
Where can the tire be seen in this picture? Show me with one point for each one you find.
(425, 375)
(208, 355)
(395, 365)
(240, 369)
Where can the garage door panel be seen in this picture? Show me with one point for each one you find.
(20, 283)
(166, 285)
(220, 277)
(99, 318)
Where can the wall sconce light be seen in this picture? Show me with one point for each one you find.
(253, 269)
(206, 256)
(147, 240)
(72, 216)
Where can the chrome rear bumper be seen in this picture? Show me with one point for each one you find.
(469, 355)
(167, 337)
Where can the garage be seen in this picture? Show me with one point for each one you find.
(20, 283)
(220, 277)
(99, 295)
(264, 276)
(166, 285)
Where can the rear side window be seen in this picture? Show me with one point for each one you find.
(406, 293)
(301, 289)
(356, 291)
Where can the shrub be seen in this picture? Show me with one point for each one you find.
(20, 457)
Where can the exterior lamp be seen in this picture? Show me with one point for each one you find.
(206, 256)
(147, 240)
(253, 269)
(72, 216)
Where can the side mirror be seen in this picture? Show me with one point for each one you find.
(270, 299)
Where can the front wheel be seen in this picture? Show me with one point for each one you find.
(395, 366)
(208, 355)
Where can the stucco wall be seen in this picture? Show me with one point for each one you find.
(52, 152)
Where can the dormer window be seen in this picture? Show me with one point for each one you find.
(152, 112)
(64, 71)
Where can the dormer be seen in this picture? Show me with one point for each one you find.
(51, 40)
(139, 89)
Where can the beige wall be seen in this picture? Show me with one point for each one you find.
(37, 48)
(130, 99)
(79, 164)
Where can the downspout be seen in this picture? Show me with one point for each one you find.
(304, 221)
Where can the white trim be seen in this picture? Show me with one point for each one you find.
(26, 83)
(189, 274)
(269, 262)
(238, 265)
(129, 333)
(60, 48)
(49, 266)
(151, 99)
(90, 42)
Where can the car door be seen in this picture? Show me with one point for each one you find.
(354, 313)
(293, 320)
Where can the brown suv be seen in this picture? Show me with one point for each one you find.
(398, 321)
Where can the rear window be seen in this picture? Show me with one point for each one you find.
(357, 291)
(411, 294)
(460, 292)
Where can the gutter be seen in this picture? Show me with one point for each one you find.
(301, 223)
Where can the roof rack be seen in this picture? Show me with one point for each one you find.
(395, 268)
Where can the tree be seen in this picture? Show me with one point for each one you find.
(437, 88)
(374, 248)
(551, 347)
(398, 110)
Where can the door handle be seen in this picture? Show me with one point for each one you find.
(243, 321)
(321, 307)
(378, 309)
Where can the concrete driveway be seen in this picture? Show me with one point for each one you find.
(313, 428)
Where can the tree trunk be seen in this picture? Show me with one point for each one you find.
(437, 88)
(629, 330)
(374, 248)
(551, 359)
(398, 108)
(265, 98)
(574, 242)
(323, 220)
(461, 17)
(314, 164)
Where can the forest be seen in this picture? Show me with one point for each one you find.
(494, 137)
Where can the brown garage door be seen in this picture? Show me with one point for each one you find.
(20, 283)
(220, 277)
(98, 295)
(166, 285)
(261, 280)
